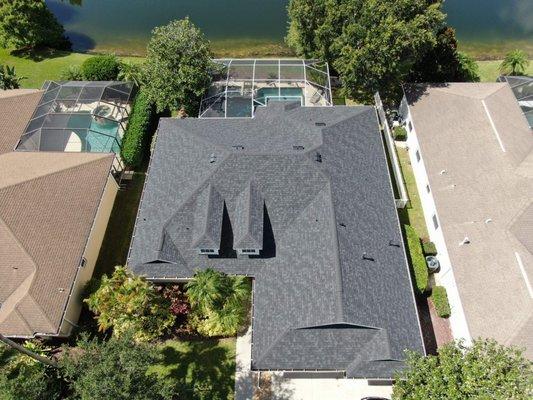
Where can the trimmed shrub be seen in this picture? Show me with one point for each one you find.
(400, 133)
(72, 73)
(429, 248)
(418, 261)
(136, 138)
(101, 68)
(440, 301)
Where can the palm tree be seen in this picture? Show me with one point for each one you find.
(207, 290)
(8, 78)
(515, 63)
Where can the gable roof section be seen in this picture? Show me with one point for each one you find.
(249, 218)
(318, 220)
(485, 195)
(17, 107)
(48, 202)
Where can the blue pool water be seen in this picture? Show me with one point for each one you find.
(102, 138)
(281, 94)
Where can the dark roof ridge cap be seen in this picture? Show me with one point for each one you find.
(353, 325)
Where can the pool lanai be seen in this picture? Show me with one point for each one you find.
(77, 116)
(240, 86)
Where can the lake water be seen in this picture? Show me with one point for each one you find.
(483, 26)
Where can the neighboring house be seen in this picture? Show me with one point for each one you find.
(299, 199)
(472, 155)
(54, 209)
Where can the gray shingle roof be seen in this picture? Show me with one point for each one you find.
(249, 218)
(318, 304)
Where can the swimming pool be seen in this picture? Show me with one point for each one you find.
(102, 138)
(278, 94)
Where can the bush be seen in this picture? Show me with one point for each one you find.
(429, 248)
(116, 369)
(136, 138)
(130, 303)
(440, 301)
(400, 133)
(101, 68)
(178, 301)
(421, 274)
(22, 377)
(72, 73)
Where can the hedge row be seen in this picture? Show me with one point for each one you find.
(136, 139)
(440, 301)
(417, 259)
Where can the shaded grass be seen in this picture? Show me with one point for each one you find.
(489, 70)
(201, 369)
(412, 214)
(114, 250)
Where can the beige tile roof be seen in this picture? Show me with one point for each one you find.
(16, 108)
(48, 202)
(479, 136)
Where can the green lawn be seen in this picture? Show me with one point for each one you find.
(204, 369)
(45, 65)
(120, 228)
(489, 70)
(412, 214)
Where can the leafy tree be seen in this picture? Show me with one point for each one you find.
(27, 24)
(101, 68)
(116, 369)
(130, 303)
(468, 68)
(486, 370)
(376, 44)
(22, 377)
(178, 66)
(514, 63)
(131, 72)
(8, 78)
(219, 302)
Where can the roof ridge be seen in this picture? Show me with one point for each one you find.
(58, 171)
(2, 221)
(41, 311)
(472, 97)
(37, 91)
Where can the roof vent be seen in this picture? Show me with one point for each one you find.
(443, 172)
(238, 147)
(320, 124)
(465, 241)
(318, 157)
(488, 220)
(298, 147)
(367, 257)
(393, 243)
(212, 158)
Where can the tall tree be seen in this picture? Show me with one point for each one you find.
(486, 370)
(375, 44)
(178, 66)
(514, 63)
(117, 369)
(27, 24)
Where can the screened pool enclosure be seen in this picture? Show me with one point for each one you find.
(79, 117)
(522, 87)
(240, 86)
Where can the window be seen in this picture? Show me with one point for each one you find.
(409, 126)
(417, 155)
(428, 189)
(435, 222)
(207, 251)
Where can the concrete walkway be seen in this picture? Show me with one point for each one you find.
(243, 374)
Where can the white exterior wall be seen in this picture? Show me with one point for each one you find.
(92, 249)
(445, 276)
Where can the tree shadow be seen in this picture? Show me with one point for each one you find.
(200, 369)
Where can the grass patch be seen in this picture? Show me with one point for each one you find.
(412, 214)
(243, 48)
(440, 301)
(489, 70)
(45, 64)
(203, 369)
(117, 237)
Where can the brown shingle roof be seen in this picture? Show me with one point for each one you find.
(17, 107)
(48, 202)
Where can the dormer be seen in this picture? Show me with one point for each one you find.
(207, 228)
(249, 219)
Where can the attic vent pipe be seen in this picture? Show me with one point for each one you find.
(212, 158)
(465, 241)
(320, 124)
(318, 157)
(298, 147)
